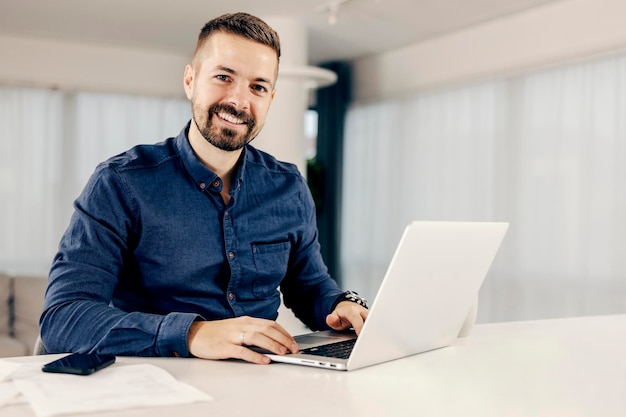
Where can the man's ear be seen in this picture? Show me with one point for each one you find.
(188, 79)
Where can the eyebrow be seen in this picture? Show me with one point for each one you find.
(258, 79)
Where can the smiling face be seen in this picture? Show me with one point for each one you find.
(231, 85)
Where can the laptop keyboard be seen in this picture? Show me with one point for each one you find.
(339, 350)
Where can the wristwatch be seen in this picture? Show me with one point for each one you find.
(354, 297)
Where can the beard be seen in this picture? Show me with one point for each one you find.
(222, 137)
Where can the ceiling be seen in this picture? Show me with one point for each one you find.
(363, 27)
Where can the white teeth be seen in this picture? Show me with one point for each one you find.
(230, 118)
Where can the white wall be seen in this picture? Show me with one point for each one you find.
(553, 33)
(89, 67)
(73, 66)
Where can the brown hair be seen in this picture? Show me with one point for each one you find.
(241, 24)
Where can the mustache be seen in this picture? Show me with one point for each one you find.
(226, 108)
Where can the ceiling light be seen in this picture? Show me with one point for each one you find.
(332, 8)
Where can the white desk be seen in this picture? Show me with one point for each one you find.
(564, 367)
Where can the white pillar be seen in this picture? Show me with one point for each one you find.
(283, 134)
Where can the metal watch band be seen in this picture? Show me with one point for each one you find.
(355, 298)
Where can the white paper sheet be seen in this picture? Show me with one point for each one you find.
(8, 394)
(113, 388)
(7, 368)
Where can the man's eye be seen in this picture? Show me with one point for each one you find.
(259, 88)
(222, 77)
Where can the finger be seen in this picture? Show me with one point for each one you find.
(284, 338)
(346, 316)
(359, 320)
(279, 333)
(273, 337)
(335, 322)
(242, 352)
(264, 342)
(357, 323)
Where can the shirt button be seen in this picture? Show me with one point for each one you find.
(231, 296)
(226, 214)
(231, 255)
(216, 183)
(202, 185)
(176, 354)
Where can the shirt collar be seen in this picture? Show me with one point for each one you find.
(202, 176)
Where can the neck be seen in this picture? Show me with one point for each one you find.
(223, 163)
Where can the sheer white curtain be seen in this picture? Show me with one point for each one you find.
(50, 143)
(544, 151)
(566, 153)
(431, 157)
(31, 130)
(107, 124)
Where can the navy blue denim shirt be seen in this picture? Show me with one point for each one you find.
(151, 247)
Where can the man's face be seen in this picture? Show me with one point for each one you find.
(231, 85)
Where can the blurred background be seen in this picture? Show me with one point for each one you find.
(395, 110)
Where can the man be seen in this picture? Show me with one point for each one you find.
(178, 248)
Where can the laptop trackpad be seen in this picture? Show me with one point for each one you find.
(320, 338)
(314, 339)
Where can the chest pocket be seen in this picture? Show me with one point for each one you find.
(270, 262)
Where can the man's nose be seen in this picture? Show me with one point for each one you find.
(238, 96)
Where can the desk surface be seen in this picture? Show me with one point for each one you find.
(562, 367)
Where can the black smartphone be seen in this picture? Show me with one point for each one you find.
(79, 363)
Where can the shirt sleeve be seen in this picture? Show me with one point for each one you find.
(308, 289)
(78, 314)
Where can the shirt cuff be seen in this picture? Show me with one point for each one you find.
(172, 336)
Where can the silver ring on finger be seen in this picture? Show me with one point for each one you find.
(242, 338)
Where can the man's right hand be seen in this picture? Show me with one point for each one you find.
(229, 338)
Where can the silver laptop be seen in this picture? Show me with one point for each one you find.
(421, 305)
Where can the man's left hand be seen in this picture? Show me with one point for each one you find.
(347, 314)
